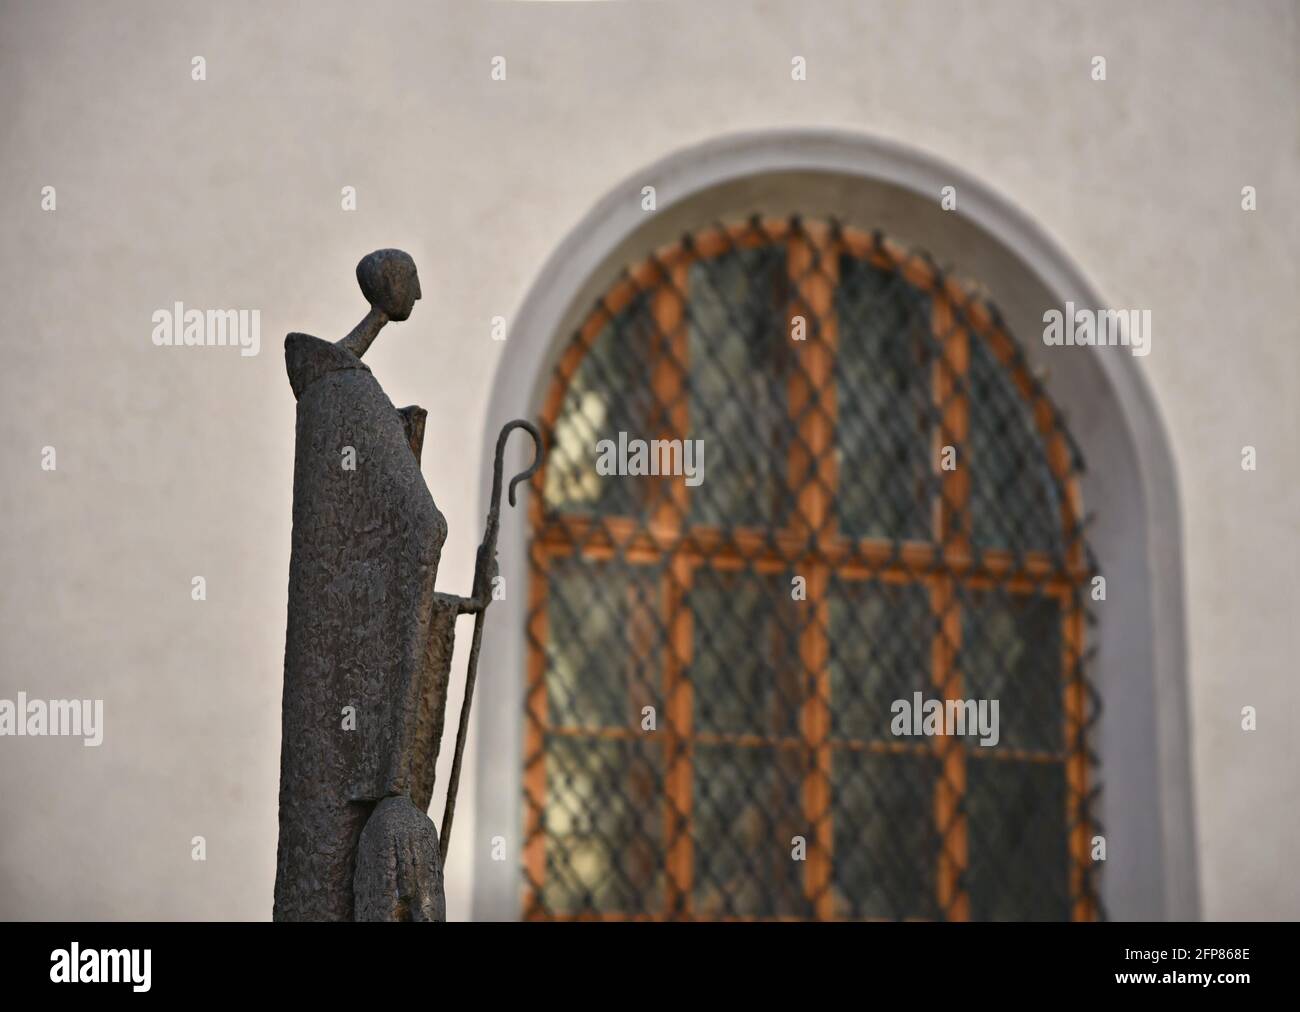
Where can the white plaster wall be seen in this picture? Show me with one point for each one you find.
(225, 193)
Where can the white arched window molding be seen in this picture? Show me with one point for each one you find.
(1130, 486)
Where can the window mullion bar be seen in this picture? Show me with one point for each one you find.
(812, 265)
(670, 363)
(537, 716)
(813, 271)
(953, 527)
(668, 381)
(815, 727)
(1076, 767)
(679, 749)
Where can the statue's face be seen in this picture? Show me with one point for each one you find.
(389, 282)
(404, 296)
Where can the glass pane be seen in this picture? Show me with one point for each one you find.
(1011, 651)
(746, 813)
(886, 847)
(610, 393)
(745, 664)
(604, 650)
(882, 382)
(880, 640)
(1019, 862)
(1015, 502)
(739, 359)
(604, 826)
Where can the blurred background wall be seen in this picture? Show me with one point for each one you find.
(226, 193)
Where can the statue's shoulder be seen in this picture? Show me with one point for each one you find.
(308, 358)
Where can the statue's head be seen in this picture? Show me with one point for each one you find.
(389, 282)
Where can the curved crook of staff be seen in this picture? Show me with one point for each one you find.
(484, 571)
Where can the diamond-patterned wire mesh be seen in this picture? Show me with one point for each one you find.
(889, 506)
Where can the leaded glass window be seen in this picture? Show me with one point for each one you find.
(889, 511)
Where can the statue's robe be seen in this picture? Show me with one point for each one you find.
(368, 646)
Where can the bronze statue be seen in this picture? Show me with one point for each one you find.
(369, 642)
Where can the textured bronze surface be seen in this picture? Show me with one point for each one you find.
(369, 642)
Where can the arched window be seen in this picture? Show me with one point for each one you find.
(725, 665)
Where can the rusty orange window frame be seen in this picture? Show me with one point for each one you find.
(813, 250)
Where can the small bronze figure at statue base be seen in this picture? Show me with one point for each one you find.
(368, 644)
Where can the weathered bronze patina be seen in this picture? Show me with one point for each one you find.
(369, 641)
